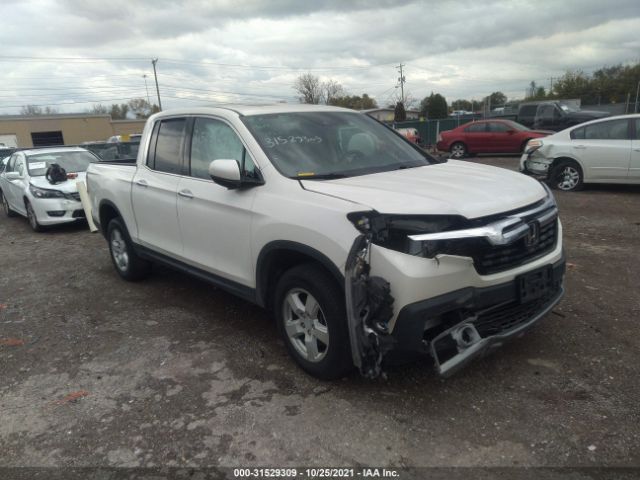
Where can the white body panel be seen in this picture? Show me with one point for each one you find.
(223, 231)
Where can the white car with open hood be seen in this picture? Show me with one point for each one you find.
(28, 190)
(365, 248)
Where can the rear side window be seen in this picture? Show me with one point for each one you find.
(168, 146)
(612, 130)
(476, 127)
(577, 134)
(528, 111)
(498, 127)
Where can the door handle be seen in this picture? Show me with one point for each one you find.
(185, 193)
(579, 147)
(142, 183)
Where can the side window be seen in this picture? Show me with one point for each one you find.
(577, 133)
(476, 127)
(497, 127)
(215, 140)
(528, 110)
(546, 111)
(612, 130)
(168, 149)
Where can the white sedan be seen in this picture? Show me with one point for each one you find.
(25, 190)
(600, 151)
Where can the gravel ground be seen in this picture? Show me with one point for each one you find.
(172, 372)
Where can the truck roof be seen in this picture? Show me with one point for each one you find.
(248, 110)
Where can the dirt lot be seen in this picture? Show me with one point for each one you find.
(170, 371)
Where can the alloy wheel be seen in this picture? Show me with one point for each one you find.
(457, 150)
(119, 250)
(305, 325)
(568, 178)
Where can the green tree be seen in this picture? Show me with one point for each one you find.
(309, 88)
(434, 106)
(497, 99)
(399, 114)
(462, 104)
(355, 102)
(119, 112)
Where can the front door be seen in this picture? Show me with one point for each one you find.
(215, 221)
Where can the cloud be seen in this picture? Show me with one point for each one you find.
(461, 49)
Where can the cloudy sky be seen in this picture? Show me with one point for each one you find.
(70, 54)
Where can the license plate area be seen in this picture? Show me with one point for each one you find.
(535, 284)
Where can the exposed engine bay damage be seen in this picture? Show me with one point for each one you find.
(369, 309)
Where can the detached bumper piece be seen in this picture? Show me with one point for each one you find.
(460, 326)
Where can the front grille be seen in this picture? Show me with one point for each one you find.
(493, 259)
(506, 317)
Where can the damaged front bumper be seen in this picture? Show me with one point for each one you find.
(453, 328)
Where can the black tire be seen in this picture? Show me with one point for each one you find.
(458, 150)
(31, 216)
(566, 175)
(5, 206)
(125, 260)
(335, 361)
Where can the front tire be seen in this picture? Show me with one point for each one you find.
(311, 316)
(458, 150)
(5, 206)
(31, 216)
(125, 260)
(567, 176)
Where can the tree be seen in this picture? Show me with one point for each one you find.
(33, 110)
(462, 104)
(399, 114)
(434, 106)
(354, 102)
(119, 112)
(141, 108)
(98, 109)
(497, 99)
(331, 90)
(309, 87)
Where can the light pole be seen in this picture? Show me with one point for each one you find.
(155, 75)
(637, 91)
(146, 88)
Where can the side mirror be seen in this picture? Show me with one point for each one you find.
(226, 173)
(12, 176)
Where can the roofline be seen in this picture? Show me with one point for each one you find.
(53, 117)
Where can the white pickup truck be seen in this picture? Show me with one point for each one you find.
(361, 244)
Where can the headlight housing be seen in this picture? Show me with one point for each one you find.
(45, 192)
(533, 145)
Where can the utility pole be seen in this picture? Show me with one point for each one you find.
(146, 87)
(153, 62)
(401, 79)
(551, 84)
(637, 92)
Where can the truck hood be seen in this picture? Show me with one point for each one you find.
(451, 188)
(67, 187)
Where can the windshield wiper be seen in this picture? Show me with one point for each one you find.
(321, 176)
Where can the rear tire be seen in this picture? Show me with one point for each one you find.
(5, 206)
(310, 311)
(125, 260)
(458, 150)
(31, 216)
(567, 176)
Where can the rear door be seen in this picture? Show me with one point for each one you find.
(604, 149)
(477, 138)
(634, 165)
(216, 221)
(155, 186)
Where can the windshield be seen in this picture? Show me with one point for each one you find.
(71, 161)
(567, 108)
(331, 144)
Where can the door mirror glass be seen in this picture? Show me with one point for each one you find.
(226, 173)
(12, 175)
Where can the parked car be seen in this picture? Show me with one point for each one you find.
(487, 136)
(25, 190)
(600, 151)
(552, 115)
(360, 243)
(3, 163)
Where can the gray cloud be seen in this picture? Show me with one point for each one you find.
(461, 49)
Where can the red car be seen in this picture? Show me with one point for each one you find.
(487, 136)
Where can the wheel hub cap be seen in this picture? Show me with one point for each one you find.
(305, 325)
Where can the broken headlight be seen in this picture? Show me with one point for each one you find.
(392, 231)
